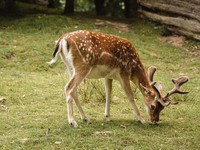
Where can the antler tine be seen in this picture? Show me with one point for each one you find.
(177, 84)
(151, 72)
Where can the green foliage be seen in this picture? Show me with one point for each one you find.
(115, 8)
(84, 5)
(32, 101)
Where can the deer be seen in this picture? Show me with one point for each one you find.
(94, 55)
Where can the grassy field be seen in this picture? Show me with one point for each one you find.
(33, 112)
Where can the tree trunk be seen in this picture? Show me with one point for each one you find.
(181, 16)
(69, 7)
(180, 7)
(99, 6)
(8, 6)
(131, 7)
(51, 4)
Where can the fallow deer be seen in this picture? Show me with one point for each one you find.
(95, 55)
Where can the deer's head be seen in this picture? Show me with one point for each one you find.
(155, 102)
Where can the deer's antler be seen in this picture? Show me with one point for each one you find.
(151, 72)
(177, 84)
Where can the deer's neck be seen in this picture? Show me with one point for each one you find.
(142, 78)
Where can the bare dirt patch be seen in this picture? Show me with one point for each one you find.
(182, 42)
(121, 27)
(175, 40)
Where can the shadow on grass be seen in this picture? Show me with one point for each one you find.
(117, 124)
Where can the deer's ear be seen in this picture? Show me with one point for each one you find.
(146, 90)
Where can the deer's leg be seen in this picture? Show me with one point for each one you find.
(125, 83)
(71, 119)
(82, 114)
(108, 90)
(71, 94)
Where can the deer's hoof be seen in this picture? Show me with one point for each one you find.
(85, 120)
(141, 120)
(108, 119)
(73, 124)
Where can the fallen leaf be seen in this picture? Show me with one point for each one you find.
(24, 140)
(58, 142)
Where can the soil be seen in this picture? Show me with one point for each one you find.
(182, 42)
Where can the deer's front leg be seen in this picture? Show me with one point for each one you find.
(125, 83)
(108, 90)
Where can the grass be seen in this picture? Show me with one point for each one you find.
(33, 109)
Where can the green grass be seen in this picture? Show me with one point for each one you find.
(33, 111)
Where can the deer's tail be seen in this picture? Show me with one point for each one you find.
(56, 51)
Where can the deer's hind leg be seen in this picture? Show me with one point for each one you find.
(71, 94)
